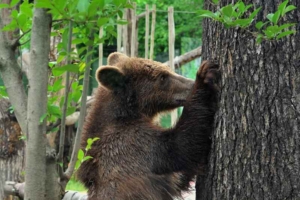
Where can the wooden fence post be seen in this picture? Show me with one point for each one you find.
(171, 25)
(152, 31)
(101, 47)
(119, 36)
(133, 31)
(125, 33)
(147, 32)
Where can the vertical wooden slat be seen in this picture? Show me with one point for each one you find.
(171, 26)
(152, 31)
(119, 37)
(125, 33)
(101, 47)
(133, 31)
(147, 32)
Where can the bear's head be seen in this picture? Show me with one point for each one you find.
(142, 85)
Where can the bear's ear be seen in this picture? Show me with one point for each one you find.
(110, 77)
(116, 57)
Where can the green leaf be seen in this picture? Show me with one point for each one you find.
(78, 163)
(22, 137)
(284, 26)
(12, 26)
(282, 6)
(284, 34)
(119, 2)
(14, 14)
(44, 4)
(259, 38)
(276, 17)
(95, 139)
(241, 7)
(26, 9)
(206, 13)
(14, 3)
(288, 9)
(89, 144)
(270, 17)
(71, 110)
(3, 93)
(57, 71)
(90, 141)
(102, 21)
(22, 19)
(86, 158)
(42, 118)
(83, 6)
(54, 110)
(242, 22)
(80, 154)
(74, 86)
(254, 13)
(259, 25)
(76, 94)
(57, 85)
(3, 5)
(248, 6)
(269, 32)
(215, 1)
(53, 130)
(227, 10)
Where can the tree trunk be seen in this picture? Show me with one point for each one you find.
(256, 143)
(35, 176)
(11, 148)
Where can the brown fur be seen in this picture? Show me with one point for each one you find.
(135, 159)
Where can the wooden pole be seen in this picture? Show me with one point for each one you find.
(147, 32)
(171, 26)
(152, 31)
(133, 31)
(119, 38)
(101, 47)
(186, 58)
(125, 33)
(143, 14)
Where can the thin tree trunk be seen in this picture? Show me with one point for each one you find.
(11, 148)
(256, 143)
(35, 176)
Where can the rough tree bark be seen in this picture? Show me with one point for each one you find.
(11, 148)
(256, 143)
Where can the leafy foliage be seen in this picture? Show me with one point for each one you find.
(185, 23)
(82, 154)
(87, 16)
(238, 15)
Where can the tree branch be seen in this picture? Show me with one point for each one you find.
(76, 146)
(14, 189)
(65, 105)
(187, 57)
(12, 77)
(16, 42)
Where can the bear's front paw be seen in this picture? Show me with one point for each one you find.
(208, 75)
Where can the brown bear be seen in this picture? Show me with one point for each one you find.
(135, 159)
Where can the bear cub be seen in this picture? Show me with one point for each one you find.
(135, 159)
